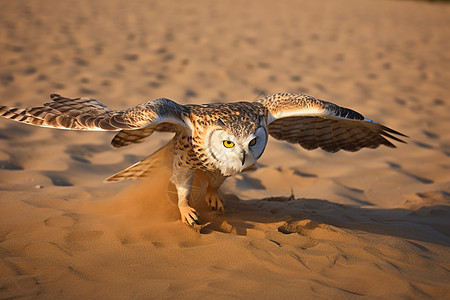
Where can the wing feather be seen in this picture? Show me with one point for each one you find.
(144, 168)
(127, 137)
(314, 123)
(90, 114)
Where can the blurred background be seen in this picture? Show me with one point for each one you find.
(198, 51)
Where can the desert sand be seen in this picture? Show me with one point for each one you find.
(305, 225)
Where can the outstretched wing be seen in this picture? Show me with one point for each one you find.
(91, 114)
(314, 123)
(126, 137)
(144, 168)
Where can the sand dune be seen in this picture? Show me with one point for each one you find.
(374, 223)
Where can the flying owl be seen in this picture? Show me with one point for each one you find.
(218, 139)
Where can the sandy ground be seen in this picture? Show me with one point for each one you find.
(375, 223)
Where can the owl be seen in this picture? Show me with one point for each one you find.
(218, 139)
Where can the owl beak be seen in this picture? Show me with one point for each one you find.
(244, 154)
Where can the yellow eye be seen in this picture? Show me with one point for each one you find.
(252, 142)
(228, 144)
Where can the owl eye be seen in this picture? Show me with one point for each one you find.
(252, 142)
(228, 144)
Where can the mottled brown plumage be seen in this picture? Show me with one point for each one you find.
(218, 140)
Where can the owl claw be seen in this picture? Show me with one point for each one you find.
(189, 215)
(215, 201)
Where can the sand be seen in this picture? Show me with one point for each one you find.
(306, 224)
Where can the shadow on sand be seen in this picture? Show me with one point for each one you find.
(429, 224)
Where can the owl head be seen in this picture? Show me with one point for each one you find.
(234, 147)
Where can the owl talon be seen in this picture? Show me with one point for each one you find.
(189, 215)
(215, 202)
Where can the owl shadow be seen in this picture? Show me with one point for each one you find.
(290, 215)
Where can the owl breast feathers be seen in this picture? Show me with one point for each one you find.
(219, 139)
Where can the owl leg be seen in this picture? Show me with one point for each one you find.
(182, 179)
(213, 197)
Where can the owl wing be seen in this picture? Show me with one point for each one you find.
(314, 123)
(144, 168)
(91, 114)
(126, 137)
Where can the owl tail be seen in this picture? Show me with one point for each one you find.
(161, 158)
